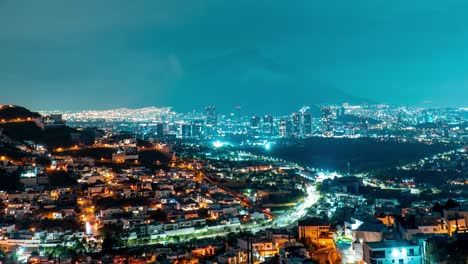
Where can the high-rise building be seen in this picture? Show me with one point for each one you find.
(192, 129)
(306, 124)
(255, 122)
(197, 128)
(340, 112)
(160, 129)
(211, 115)
(236, 122)
(296, 124)
(185, 131)
(267, 125)
(284, 128)
(211, 120)
(327, 119)
(301, 123)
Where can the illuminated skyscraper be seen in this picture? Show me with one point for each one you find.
(160, 130)
(197, 128)
(255, 122)
(284, 128)
(306, 124)
(327, 119)
(296, 124)
(211, 120)
(267, 125)
(194, 129)
(185, 131)
(301, 123)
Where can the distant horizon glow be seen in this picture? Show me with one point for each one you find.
(201, 109)
(218, 144)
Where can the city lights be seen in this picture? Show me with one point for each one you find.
(234, 132)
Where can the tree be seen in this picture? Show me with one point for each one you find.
(158, 215)
(437, 208)
(10, 181)
(451, 204)
(109, 243)
(442, 251)
(112, 235)
(61, 251)
(341, 214)
(78, 243)
(61, 178)
(176, 239)
(203, 212)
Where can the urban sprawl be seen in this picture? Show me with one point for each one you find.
(155, 186)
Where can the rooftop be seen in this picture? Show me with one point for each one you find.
(314, 221)
(390, 244)
(461, 208)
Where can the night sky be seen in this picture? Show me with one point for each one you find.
(266, 56)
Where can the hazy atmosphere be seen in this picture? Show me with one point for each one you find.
(233, 131)
(256, 54)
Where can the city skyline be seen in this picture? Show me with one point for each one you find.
(189, 55)
(98, 182)
(233, 132)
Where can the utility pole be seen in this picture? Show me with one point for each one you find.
(250, 256)
(248, 250)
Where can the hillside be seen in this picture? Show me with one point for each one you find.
(18, 125)
(12, 112)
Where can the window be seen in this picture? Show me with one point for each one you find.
(378, 254)
(401, 261)
(411, 252)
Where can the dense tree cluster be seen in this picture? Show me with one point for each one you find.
(10, 181)
(363, 154)
(447, 252)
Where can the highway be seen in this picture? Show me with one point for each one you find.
(289, 219)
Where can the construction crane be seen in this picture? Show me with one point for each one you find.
(304, 109)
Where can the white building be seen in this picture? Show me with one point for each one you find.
(392, 252)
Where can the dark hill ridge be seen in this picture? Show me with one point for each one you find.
(15, 125)
(12, 152)
(52, 137)
(11, 112)
(21, 131)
